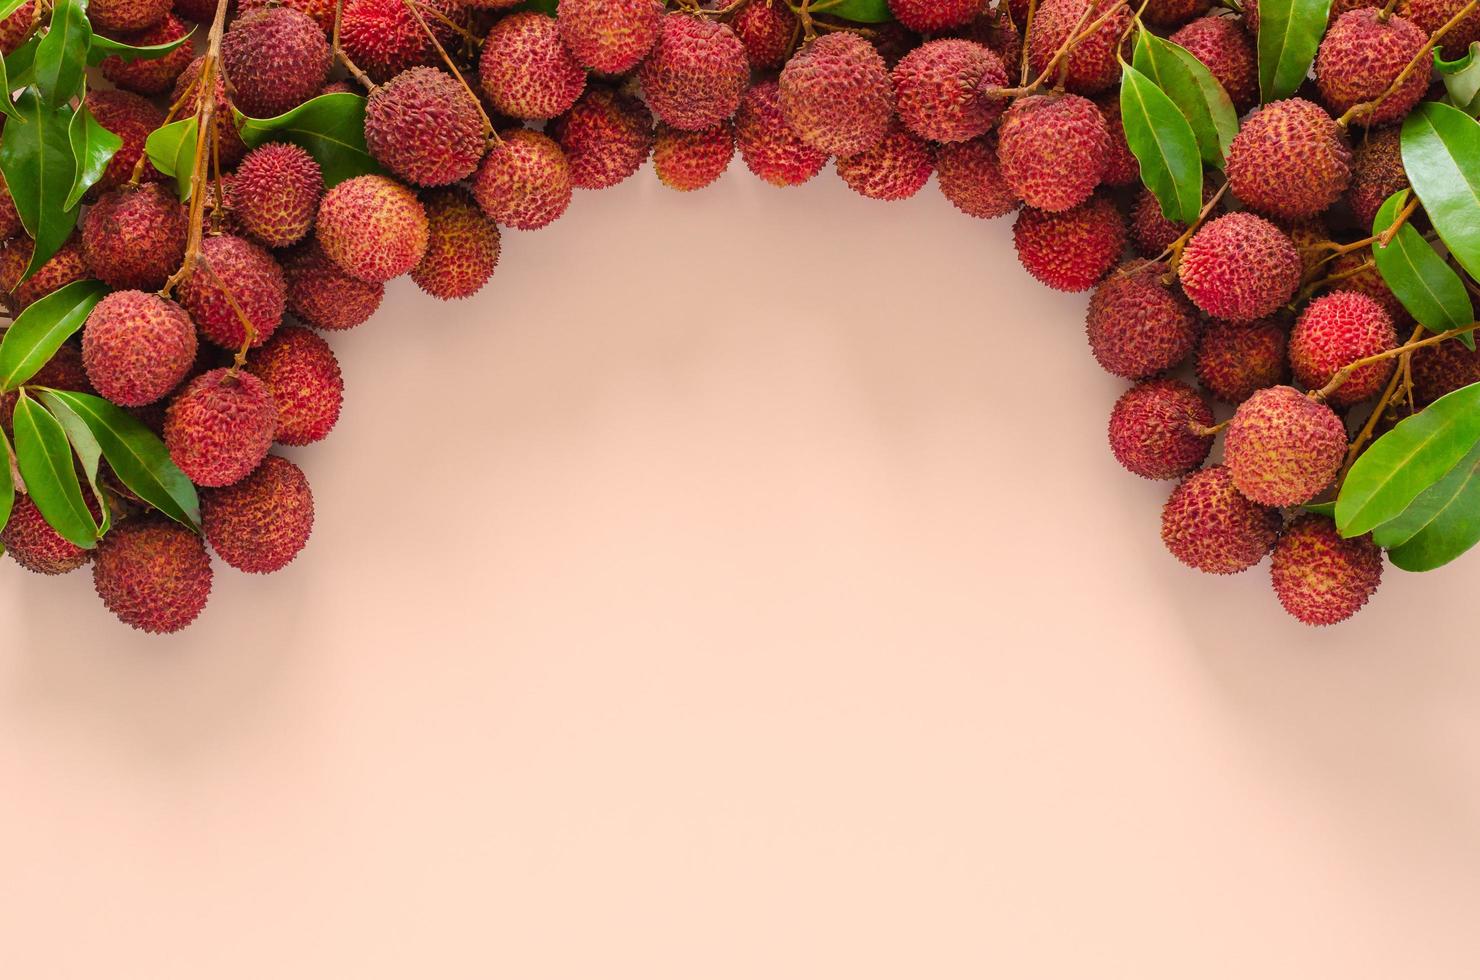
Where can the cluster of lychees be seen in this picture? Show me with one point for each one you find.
(484, 113)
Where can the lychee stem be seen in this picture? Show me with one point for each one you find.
(1172, 256)
(431, 36)
(1059, 61)
(143, 161)
(1344, 374)
(1207, 430)
(1382, 405)
(1421, 58)
(344, 59)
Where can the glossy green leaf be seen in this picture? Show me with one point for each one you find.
(1163, 141)
(1462, 79)
(1415, 455)
(45, 459)
(331, 128)
(1454, 526)
(20, 64)
(1290, 33)
(1192, 88)
(7, 482)
(1427, 505)
(858, 11)
(1326, 509)
(171, 149)
(1421, 279)
(137, 457)
(7, 106)
(61, 58)
(86, 448)
(105, 47)
(36, 158)
(42, 328)
(92, 148)
(8, 7)
(1441, 152)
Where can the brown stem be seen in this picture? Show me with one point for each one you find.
(1377, 412)
(1172, 256)
(431, 36)
(1422, 57)
(344, 59)
(1207, 430)
(1342, 376)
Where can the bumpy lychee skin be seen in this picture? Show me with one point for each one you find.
(1377, 174)
(260, 524)
(1152, 429)
(1336, 330)
(696, 73)
(230, 147)
(770, 148)
(234, 278)
(525, 181)
(220, 427)
(1053, 150)
(1092, 65)
(688, 161)
(384, 38)
(302, 376)
(1290, 160)
(1283, 448)
(145, 76)
(462, 246)
(1443, 368)
(894, 170)
(1209, 526)
(609, 36)
(526, 71)
(1357, 273)
(933, 16)
(1320, 577)
(275, 193)
(131, 118)
(17, 27)
(373, 228)
(836, 95)
(137, 347)
(276, 59)
(1240, 267)
(66, 266)
(1234, 360)
(153, 574)
(1138, 327)
(1152, 232)
(127, 15)
(10, 219)
(425, 128)
(769, 31)
(1070, 250)
(1166, 13)
(606, 137)
(134, 238)
(322, 11)
(1362, 55)
(971, 179)
(943, 90)
(35, 546)
(1430, 15)
(1222, 44)
(1122, 169)
(325, 296)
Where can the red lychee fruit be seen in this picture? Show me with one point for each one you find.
(10, 218)
(1153, 429)
(1093, 64)
(609, 36)
(229, 145)
(1430, 15)
(1053, 150)
(1122, 169)
(1283, 448)
(836, 95)
(220, 427)
(1442, 368)
(384, 37)
(462, 246)
(131, 118)
(1167, 13)
(66, 266)
(771, 148)
(894, 170)
(996, 29)
(1336, 330)
(1377, 174)
(944, 90)
(150, 76)
(1234, 360)
(1222, 44)
(971, 179)
(302, 376)
(127, 15)
(234, 280)
(1152, 232)
(769, 31)
(325, 296)
(526, 71)
(1356, 272)
(1320, 577)
(1362, 55)
(1240, 267)
(524, 181)
(35, 545)
(696, 73)
(275, 193)
(153, 574)
(1070, 250)
(276, 58)
(322, 11)
(137, 347)
(606, 138)
(260, 524)
(933, 16)
(687, 161)
(372, 227)
(1208, 525)
(1290, 160)
(425, 128)
(134, 237)
(1138, 327)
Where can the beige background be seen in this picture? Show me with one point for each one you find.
(740, 590)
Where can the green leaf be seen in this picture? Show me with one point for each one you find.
(41, 329)
(1192, 88)
(61, 57)
(7, 106)
(105, 47)
(1441, 152)
(137, 456)
(858, 11)
(1290, 33)
(1452, 529)
(20, 64)
(36, 158)
(1327, 509)
(7, 482)
(171, 148)
(546, 7)
(1163, 141)
(331, 128)
(45, 459)
(8, 7)
(1427, 505)
(92, 148)
(1462, 79)
(85, 446)
(1397, 468)
(1423, 282)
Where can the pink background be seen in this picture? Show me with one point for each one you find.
(740, 589)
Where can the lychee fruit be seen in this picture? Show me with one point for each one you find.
(526, 71)
(1356, 272)
(153, 574)
(150, 76)
(1282, 447)
(609, 36)
(1320, 577)
(945, 90)
(1336, 330)
(524, 181)
(229, 145)
(372, 227)
(1053, 150)
(1208, 525)
(1227, 51)
(1290, 160)
(131, 118)
(970, 178)
(1234, 360)
(1167, 13)
(1430, 15)
(772, 149)
(689, 161)
(1138, 327)
(1093, 65)
(66, 266)
(1240, 267)
(384, 38)
(235, 283)
(220, 427)
(35, 545)
(260, 524)
(1362, 55)
(934, 16)
(769, 31)
(1442, 368)
(322, 11)
(606, 137)
(462, 246)
(302, 376)
(275, 193)
(1152, 232)
(1155, 429)
(696, 73)
(325, 296)
(10, 218)
(425, 128)
(137, 347)
(1122, 169)
(276, 58)
(127, 15)
(836, 95)
(1377, 174)
(1070, 250)
(134, 237)
(995, 28)
(894, 170)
